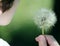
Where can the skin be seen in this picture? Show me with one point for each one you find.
(0, 7)
(6, 17)
(50, 40)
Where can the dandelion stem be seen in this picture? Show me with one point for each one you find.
(42, 31)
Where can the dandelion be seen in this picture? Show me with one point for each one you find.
(3, 43)
(45, 19)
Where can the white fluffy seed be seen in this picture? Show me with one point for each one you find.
(45, 18)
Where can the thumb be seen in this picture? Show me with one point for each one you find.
(41, 40)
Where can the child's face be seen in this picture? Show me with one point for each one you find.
(0, 0)
(7, 4)
(0, 7)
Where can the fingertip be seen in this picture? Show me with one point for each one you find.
(39, 38)
(51, 40)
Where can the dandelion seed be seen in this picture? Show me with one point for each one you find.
(45, 19)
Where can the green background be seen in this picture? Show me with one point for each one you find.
(22, 30)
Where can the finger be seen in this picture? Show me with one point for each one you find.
(41, 40)
(51, 40)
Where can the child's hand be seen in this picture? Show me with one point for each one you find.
(44, 39)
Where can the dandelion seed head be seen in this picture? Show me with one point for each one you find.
(45, 18)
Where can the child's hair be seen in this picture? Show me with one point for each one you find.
(6, 4)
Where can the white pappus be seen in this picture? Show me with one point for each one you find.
(44, 19)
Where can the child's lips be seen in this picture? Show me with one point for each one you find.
(1, 12)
